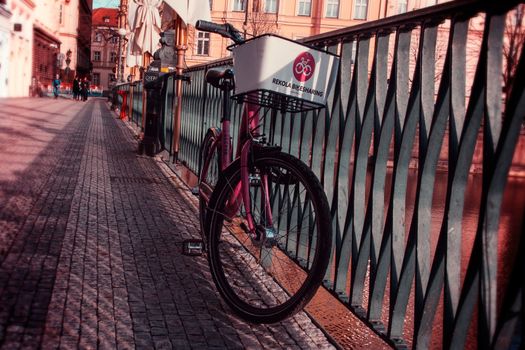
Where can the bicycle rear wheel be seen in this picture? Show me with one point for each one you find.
(271, 275)
(210, 168)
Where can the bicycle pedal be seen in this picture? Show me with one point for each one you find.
(193, 247)
(195, 191)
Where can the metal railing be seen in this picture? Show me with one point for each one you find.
(135, 112)
(417, 134)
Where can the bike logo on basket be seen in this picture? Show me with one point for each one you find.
(304, 66)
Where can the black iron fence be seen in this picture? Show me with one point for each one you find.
(414, 152)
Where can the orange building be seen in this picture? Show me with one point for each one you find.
(104, 47)
(294, 19)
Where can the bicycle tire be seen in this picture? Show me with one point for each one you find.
(209, 170)
(270, 293)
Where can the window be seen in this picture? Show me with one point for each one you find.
(211, 5)
(114, 39)
(60, 18)
(360, 7)
(203, 43)
(402, 6)
(111, 77)
(98, 37)
(332, 8)
(238, 5)
(270, 6)
(96, 56)
(96, 78)
(303, 7)
(113, 56)
(106, 19)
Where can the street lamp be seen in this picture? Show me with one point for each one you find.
(68, 62)
(120, 63)
(54, 58)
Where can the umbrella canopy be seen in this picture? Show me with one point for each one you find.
(190, 11)
(145, 23)
(133, 58)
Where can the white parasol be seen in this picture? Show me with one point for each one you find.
(190, 11)
(145, 23)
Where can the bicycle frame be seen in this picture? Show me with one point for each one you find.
(241, 194)
(237, 218)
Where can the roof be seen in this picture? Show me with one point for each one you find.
(107, 17)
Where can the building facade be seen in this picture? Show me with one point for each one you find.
(5, 32)
(85, 11)
(75, 34)
(294, 19)
(105, 43)
(37, 38)
(46, 50)
(19, 47)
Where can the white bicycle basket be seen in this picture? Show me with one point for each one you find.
(279, 73)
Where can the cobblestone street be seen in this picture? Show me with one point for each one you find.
(91, 243)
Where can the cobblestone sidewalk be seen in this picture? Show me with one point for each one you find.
(90, 243)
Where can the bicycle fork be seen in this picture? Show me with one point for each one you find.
(264, 231)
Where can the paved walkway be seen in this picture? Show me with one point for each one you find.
(90, 243)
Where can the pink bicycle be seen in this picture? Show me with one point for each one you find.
(266, 220)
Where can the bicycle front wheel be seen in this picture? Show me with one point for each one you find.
(268, 275)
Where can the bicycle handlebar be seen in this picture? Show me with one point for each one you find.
(226, 30)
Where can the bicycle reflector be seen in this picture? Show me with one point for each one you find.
(192, 247)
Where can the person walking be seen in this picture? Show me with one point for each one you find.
(56, 86)
(85, 89)
(76, 88)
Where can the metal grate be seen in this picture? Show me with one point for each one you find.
(281, 102)
(405, 87)
(135, 180)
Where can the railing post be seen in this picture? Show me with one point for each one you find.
(130, 103)
(181, 51)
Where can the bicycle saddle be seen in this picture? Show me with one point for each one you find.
(220, 78)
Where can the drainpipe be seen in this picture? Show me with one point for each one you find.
(245, 24)
(123, 13)
(317, 15)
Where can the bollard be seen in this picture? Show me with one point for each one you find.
(124, 96)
